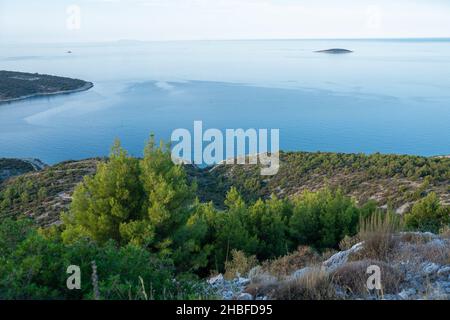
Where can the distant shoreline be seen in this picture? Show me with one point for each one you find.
(85, 87)
(39, 164)
(16, 86)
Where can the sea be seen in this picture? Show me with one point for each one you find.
(388, 96)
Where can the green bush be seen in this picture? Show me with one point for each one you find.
(33, 266)
(428, 215)
(322, 219)
(139, 220)
(150, 203)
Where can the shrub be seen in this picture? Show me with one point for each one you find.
(239, 265)
(445, 232)
(33, 266)
(377, 233)
(348, 242)
(286, 265)
(231, 230)
(428, 215)
(323, 219)
(268, 221)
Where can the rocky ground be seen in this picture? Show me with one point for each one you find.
(416, 266)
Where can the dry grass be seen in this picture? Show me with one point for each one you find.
(423, 252)
(262, 285)
(239, 265)
(414, 238)
(304, 256)
(348, 242)
(445, 232)
(315, 285)
(435, 254)
(377, 232)
(352, 277)
(418, 247)
(327, 254)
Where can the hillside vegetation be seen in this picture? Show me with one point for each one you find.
(149, 229)
(42, 195)
(390, 180)
(393, 181)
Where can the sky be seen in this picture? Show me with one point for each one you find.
(166, 20)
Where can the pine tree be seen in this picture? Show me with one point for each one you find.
(194, 240)
(169, 197)
(109, 204)
(268, 221)
(428, 215)
(232, 229)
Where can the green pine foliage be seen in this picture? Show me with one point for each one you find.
(151, 203)
(109, 205)
(150, 236)
(169, 198)
(33, 265)
(323, 218)
(428, 215)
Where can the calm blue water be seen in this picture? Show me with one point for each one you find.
(388, 96)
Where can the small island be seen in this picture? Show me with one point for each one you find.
(335, 51)
(19, 85)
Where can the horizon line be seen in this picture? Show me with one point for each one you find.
(446, 38)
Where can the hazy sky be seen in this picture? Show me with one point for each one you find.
(104, 20)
